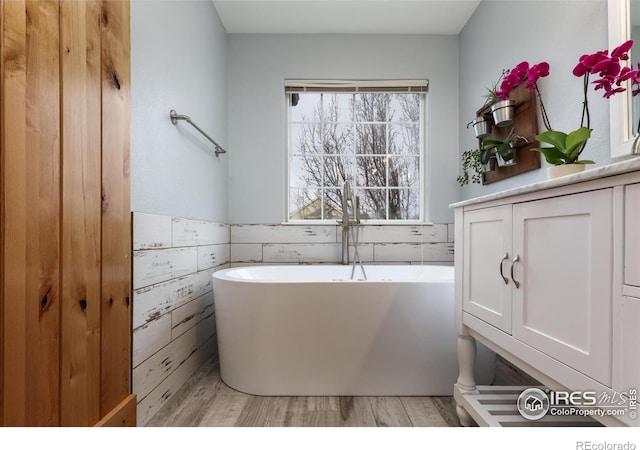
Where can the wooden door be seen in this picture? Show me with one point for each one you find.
(64, 212)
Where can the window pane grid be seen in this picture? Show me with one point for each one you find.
(386, 176)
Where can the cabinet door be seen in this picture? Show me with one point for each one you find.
(632, 242)
(486, 255)
(563, 304)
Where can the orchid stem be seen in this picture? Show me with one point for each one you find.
(585, 104)
(545, 117)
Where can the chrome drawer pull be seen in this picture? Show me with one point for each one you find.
(504, 258)
(513, 263)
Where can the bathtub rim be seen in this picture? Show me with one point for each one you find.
(223, 274)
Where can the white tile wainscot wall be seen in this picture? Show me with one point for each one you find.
(307, 244)
(173, 313)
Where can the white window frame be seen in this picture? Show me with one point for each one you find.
(355, 86)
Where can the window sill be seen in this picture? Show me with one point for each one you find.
(363, 223)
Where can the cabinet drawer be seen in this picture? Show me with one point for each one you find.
(632, 235)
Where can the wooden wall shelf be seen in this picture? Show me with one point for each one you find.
(525, 124)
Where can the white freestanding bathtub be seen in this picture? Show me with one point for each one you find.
(310, 330)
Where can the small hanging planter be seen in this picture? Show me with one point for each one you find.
(488, 159)
(504, 151)
(481, 126)
(489, 167)
(503, 112)
(505, 163)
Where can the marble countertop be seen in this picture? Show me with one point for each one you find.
(628, 165)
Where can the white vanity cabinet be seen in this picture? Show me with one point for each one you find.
(539, 279)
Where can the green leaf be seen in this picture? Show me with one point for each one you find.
(576, 141)
(488, 144)
(485, 156)
(584, 161)
(557, 139)
(553, 155)
(578, 137)
(572, 156)
(505, 150)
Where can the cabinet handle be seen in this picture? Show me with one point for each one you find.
(513, 264)
(504, 258)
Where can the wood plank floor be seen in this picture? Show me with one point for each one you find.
(205, 401)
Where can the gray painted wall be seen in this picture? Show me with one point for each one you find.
(178, 61)
(500, 34)
(175, 173)
(257, 67)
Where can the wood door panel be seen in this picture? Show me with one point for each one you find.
(65, 231)
(116, 216)
(29, 186)
(81, 194)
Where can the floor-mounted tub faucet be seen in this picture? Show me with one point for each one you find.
(348, 224)
(345, 222)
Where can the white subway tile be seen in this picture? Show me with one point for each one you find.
(400, 233)
(187, 232)
(301, 253)
(451, 232)
(246, 253)
(151, 231)
(150, 338)
(150, 405)
(365, 251)
(206, 328)
(188, 315)
(210, 256)
(414, 252)
(155, 266)
(154, 370)
(151, 302)
(247, 234)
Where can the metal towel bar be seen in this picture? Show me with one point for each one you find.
(174, 120)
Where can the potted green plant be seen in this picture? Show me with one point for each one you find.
(504, 150)
(566, 148)
(475, 162)
(564, 151)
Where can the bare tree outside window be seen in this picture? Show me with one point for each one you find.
(372, 140)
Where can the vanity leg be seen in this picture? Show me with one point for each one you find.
(466, 381)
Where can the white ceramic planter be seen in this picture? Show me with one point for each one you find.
(564, 169)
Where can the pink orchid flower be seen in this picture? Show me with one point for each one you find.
(587, 62)
(536, 72)
(622, 51)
